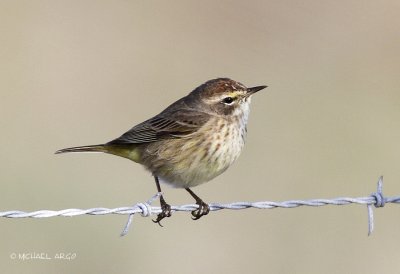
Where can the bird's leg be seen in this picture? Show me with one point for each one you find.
(203, 207)
(166, 208)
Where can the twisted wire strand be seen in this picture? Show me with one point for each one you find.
(144, 209)
(376, 199)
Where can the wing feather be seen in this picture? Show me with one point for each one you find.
(169, 124)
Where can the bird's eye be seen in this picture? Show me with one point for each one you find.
(228, 100)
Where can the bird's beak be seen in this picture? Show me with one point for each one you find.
(251, 91)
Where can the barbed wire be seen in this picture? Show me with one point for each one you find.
(376, 199)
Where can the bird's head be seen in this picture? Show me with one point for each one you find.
(224, 96)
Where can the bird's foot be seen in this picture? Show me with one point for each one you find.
(166, 211)
(203, 209)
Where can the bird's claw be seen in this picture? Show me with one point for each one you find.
(203, 209)
(166, 212)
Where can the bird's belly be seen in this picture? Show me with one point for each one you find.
(188, 162)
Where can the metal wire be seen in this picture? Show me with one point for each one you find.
(376, 199)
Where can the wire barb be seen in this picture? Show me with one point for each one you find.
(376, 199)
(146, 211)
(380, 201)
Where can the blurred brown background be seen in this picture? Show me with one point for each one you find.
(83, 72)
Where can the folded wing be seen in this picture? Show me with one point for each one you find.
(176, 124)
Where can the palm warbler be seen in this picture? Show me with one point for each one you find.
(192, 141)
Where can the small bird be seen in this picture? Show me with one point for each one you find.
(189, 143)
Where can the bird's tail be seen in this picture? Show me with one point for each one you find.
(126, 151)
(92, 148)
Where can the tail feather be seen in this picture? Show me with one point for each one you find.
(92, 148)
(126, 151)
